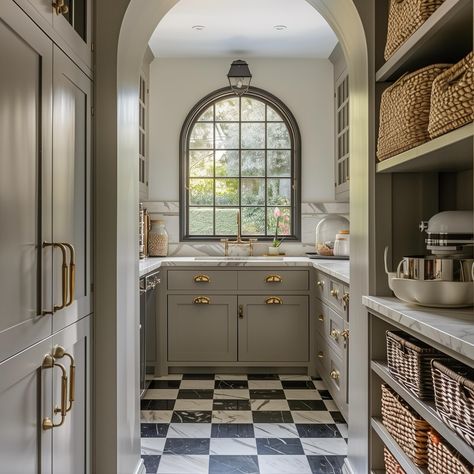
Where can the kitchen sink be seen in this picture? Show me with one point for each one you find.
(240, 258)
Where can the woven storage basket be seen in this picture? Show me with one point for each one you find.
(452, 98)
(409, 361)
(391, 464)
(404, 18)
(443, 458)
(454, 396)
(405, 111)
(408, 429)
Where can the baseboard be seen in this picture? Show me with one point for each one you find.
(346, 468)
(140, 469)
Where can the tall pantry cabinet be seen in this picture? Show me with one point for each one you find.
(45, 241)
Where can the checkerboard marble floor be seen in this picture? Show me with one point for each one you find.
(241, 424)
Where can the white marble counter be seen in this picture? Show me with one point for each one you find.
(450, 328)
(336, 268)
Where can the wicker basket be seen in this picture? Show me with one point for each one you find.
(409, 361)
(408, 429)
(405, 111)
(452, 98)
(391, 464)
(454, 396)
(404, 18)
(443, 458)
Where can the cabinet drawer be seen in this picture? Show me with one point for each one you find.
(338, 295)
(201, 280)
(273, 280)
(332, 327)
(322, 284)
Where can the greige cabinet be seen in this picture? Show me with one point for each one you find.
(202, 328)
(273, 328)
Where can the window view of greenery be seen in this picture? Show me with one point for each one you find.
(239, 158)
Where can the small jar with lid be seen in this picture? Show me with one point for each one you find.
(326, 231)
(342, 244)
(158, 239)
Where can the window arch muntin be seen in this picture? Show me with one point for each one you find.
(295, 137)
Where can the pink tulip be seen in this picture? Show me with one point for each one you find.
(277, 212)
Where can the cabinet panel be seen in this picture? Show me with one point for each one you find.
(273, 280)
(331, 327)
(25, 150)
(202, 332)
(197, 280)
(71, 186)
(273, 332)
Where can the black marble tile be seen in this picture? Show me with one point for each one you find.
(151, 462)
(263, 377)
(231, 405)
(325, 395)
(267, 394)
(316, 378)
(197, 394)
(317, 430)
(187, 446)
(272, 417)
(326, 464)
(232, 430)
(231, 384)
(307, 405)
(233, 465)
(337, 417)
(198, 377)
(275, 446)
(157, 404)
(298, 384)
(154, 430)
(185, 416)
(165, 384)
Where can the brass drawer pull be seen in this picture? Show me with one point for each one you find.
(58, 353)
(334, 293)
(321, 355)
(202, 279)
(274, 300)
(49, 363)
(273, 279)
(335, 334)
(345, 335)
(321, 317)
(320, 283)
(201, 300)
(334, 374)
(64, 275)
(59, 7)
(345, 300)
(72, 273)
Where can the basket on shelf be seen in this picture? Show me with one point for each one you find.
(452, 98)
(407, 428)
(443, 458)
(404, 18)
(391, 464)
(454, 396)
(409, 361)
(405, 111)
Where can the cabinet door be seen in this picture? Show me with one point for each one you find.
(25, 400)
(273, 329)
(202, 330)
(71, 189)
(25, 160)
(71, 440)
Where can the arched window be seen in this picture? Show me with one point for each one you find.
(240, 154)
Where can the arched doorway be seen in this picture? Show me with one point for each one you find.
(121, 39)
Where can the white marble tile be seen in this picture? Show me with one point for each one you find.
(316, 416)
(330, 405)
(302, 395)
(233, 446)
(324, 446)
(183, 464)
(239, 394)
(231, 377)
(269, 405)
(265, 384)
(189, 430)
(283, 465)
(232, 416)
(153, 446)
(193, 405)
(161, 394)
(156, 416)
(197, 384)
(294, 377)
(275, 430)
(342, 427)
(319, 384)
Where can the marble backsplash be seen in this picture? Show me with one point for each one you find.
(311, 214)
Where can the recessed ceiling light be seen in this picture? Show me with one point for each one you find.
(198, 27)
(280, 27)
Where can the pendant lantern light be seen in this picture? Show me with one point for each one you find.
(239, 77)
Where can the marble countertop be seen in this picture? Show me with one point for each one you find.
(451, 328)
(338, 269)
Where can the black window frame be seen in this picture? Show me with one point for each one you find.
(295, 137)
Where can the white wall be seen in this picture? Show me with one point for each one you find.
(304, 85)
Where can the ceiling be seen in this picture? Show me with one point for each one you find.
(243, 28)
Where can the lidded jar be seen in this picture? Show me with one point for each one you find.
(326, 232)
(158, 239)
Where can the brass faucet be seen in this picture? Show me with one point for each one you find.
(239, 240)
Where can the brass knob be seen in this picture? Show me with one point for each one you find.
(320, 284)
(345, 300)
(335, 334)
(345, 334)
(60, 8)
(334, 293)
(274, 300)
(321, 355)
(273, 279)
(202, 279)
(201, 300)
(334, 374)
(321, 317)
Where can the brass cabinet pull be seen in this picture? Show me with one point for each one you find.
(345, 300)
(345, 335)
(321, 355)
(334, 374)
(49, 363)
(58, 353)
(201, 300)
(59, 7)
(273, 279)
(72, 273)
(335, 334)
(320, 283)
(321, 317)
(202, 279)
(334, 293)
(64, 274)
(241, 311)
(274, 300)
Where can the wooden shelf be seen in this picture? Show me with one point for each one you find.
(452, 151)
(405, 462)
(425, 409)
(445, 37)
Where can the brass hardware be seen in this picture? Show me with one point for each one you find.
(335, 334)
(202, 279)
(334, 293)
(273, 279)
(64, 274)
(345, 334)
(241, 311)
(59, 7)
(274, 300)
(201, 300)
(334, 374)
(48, 363)
(58, 353)
(321, 355)
(321, 317)
(320, 284)
(238, 240)
(345, 300)
(72, 273)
